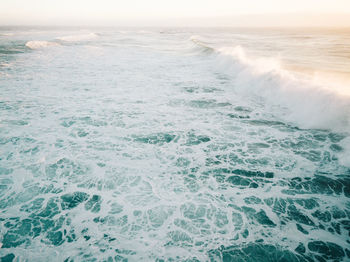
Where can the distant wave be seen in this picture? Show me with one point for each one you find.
(40, 44)
(77, 38)
(6, 34)
(72, 38)
(309, 103)
(201, 45)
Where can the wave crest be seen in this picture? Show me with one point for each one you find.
(77, 38)
(40, 44)
(201, 45)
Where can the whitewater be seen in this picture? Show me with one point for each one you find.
(174, 144)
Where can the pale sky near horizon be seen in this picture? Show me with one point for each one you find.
(109, 12)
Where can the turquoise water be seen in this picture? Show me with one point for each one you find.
(173, 145)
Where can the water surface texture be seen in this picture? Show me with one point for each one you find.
(174, 145)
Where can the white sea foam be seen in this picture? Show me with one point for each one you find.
(77, 38)
(40, 44)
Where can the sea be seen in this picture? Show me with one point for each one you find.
(174, 144)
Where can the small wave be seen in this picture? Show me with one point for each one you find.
(77, 38)
(40, 44)
(201, 45)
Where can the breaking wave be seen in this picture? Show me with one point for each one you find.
(309, 103)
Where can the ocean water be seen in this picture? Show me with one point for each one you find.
(174, 144)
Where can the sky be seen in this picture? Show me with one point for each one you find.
(176, 12)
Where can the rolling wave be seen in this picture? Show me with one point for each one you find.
(309, 103)
(201, 45)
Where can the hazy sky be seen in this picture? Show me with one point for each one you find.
(114, 12)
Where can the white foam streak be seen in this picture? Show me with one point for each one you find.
(6, 34)
(40, 44)
(77, 38)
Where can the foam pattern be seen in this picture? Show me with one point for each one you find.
(137, 147)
